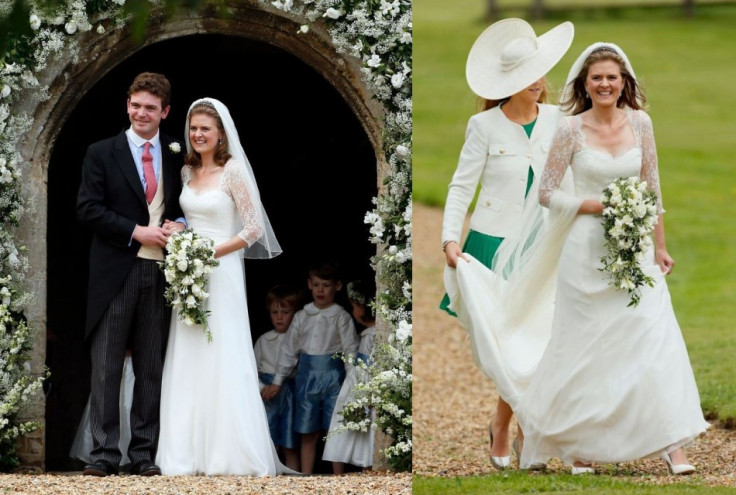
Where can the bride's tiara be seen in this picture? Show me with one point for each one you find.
(206, 103)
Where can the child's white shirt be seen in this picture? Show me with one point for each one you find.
(317, 332)
(267, 351)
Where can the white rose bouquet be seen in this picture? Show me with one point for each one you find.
(190, 258)
(629, 217)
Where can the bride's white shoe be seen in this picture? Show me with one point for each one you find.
(499, 463)
(677, 468)
(582, 470)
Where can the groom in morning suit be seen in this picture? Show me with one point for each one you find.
(130, 186)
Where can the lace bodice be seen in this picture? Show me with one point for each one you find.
(224, 211)
(594, 169)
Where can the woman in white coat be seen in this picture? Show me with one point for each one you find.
(505, 150)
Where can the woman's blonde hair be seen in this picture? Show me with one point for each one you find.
(483, 104)
(632, 95)
(193, 159)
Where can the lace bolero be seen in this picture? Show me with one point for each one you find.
(233, 182)
(570, 138)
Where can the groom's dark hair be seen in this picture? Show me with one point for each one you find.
(156, 84)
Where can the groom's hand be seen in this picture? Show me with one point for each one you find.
(151, 236)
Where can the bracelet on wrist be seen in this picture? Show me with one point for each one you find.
(444, 245)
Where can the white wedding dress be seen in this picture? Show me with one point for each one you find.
(213, 421)
(605, 383)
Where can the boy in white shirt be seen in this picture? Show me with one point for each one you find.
(281, 303)
(318, 334)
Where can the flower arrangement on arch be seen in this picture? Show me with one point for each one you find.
(190, 258)
(629, 217)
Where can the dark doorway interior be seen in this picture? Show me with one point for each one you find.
(314, 164)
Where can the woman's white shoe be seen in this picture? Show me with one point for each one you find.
(678, 468)
(499, 463)
(537, 466)
(582, 470)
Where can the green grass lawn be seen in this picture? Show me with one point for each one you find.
(687, 68)
(519, 482)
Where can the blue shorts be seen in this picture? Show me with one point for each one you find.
(280, 411)
(318, 382)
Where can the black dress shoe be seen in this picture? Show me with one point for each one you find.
(99, 468)
(146, 468)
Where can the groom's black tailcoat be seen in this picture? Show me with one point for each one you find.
(111, 203)
(125, 298)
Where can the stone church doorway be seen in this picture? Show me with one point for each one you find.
(313, 160)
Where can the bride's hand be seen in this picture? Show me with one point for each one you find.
(664, 260)
(172, 226)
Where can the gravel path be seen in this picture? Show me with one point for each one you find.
(453, 400)
(370, 483)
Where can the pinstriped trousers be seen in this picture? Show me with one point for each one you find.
(137, 318)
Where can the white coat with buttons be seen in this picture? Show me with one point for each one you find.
(496, 155)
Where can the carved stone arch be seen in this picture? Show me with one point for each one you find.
(70, 80)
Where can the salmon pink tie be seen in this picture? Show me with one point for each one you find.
(148, 172)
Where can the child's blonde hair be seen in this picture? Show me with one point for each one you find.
(284, 295)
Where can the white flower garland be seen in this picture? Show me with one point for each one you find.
(378, 32)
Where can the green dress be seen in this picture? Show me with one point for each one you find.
(481, 246)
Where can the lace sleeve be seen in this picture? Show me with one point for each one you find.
(649, 164)
(185, 174)
(236, 185)
(559, 158)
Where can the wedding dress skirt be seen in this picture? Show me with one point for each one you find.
(604, 382)
(213, 420)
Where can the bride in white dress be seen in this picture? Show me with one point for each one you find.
(213, 421)
(607, 383)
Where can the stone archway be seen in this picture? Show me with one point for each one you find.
(251, 25)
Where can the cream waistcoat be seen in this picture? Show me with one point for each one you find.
(155, 212)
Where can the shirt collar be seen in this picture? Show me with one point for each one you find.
(139, 141)
(311, 309)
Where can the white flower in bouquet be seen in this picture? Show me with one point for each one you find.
(629, 217)
(190, 258)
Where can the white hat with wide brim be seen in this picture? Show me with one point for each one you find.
(508, 57)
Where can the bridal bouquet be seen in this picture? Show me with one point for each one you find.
(629, 217)
(190, 258)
